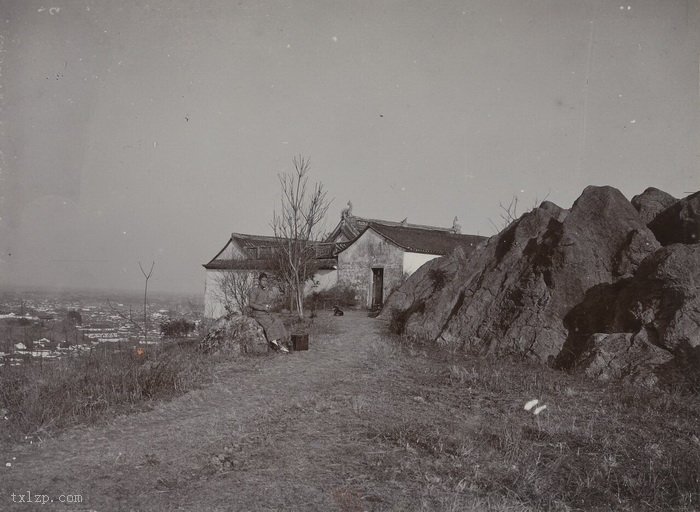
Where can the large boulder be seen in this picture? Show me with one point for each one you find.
(657, 311)
(512, 293)
(235, 335)
(652, 202)
(679, 223)
(664, 297)
(661, 301)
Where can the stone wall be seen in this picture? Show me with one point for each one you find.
(370, 251)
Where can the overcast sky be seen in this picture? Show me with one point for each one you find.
(140, 131)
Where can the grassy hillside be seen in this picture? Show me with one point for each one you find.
(366, 421)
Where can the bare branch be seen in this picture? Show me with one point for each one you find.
(509, 213)
(147, 276)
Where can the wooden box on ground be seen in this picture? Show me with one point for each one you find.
(300, 342)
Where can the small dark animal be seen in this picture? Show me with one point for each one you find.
(337, 311)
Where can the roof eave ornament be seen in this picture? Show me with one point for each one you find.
(346, 212)
(456, 227)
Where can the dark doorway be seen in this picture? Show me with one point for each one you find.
(377, 288)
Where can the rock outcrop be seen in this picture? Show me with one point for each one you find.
(233, 336)
(652, 202)
(512, 293)
(588, 288)
(679, 223)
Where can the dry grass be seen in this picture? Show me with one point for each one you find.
(448, 431)
(595, 447)
(40, 396)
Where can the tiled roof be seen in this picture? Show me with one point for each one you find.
(251, 241)
(258, 242)
(428, 241)
(260, 264)
(260, 253)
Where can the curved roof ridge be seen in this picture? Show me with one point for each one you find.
(405, 225)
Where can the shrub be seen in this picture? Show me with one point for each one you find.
(176, 327)
(74, 317)
(342, 296)
(438, 277)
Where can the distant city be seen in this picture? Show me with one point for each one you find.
(39, 325)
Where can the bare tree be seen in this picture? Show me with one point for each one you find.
(298, 224)
(147, 276)
(509, 213)
(232, 290)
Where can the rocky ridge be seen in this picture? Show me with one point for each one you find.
(608, 287)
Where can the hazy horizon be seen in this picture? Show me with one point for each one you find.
(68, 290)
(149, 132)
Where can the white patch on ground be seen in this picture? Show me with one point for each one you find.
(531, 404)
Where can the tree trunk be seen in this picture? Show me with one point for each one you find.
(145, 317)
(299, 292)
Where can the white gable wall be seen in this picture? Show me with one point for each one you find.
(323, 280)
(412, 261)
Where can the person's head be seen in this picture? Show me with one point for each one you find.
(262, 279)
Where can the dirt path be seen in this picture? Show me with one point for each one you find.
(271, 433)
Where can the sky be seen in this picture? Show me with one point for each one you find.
(149, 131)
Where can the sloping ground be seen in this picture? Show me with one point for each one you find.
(271, 433)
(547, 286)
(361, 422)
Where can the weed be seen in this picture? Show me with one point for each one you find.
(176, 327)
(399, 318)
(81, 389)
(438, 277)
